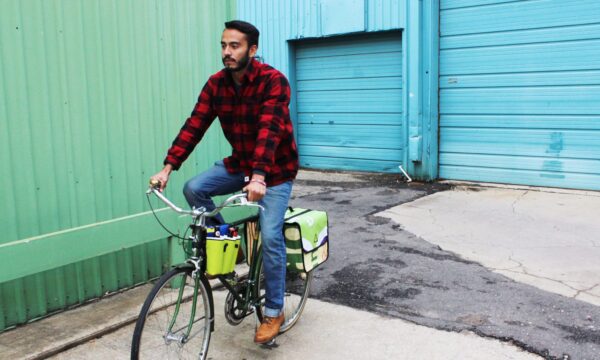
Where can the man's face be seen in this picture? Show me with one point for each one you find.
(234, 50)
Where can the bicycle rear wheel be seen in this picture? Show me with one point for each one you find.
(162, 329)
(296, 292)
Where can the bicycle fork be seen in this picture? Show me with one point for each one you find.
(171, 335)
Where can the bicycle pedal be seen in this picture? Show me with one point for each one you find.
(270, 344)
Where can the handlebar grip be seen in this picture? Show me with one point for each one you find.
(155, 184)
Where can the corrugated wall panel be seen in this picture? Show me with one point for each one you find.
(384, 14)
(91, 95)
(277, 21)
(519, 92)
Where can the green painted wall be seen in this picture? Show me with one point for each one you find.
(91, 95)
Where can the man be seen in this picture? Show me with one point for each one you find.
(251, 101)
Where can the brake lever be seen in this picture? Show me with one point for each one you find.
(244, 202)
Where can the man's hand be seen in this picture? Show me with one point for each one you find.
(256, 188)
(163, 176)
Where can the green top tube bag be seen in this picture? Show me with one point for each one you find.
(306, 239)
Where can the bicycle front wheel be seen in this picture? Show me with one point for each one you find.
(173, 323)
(296, 292)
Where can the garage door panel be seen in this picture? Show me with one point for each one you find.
(522, 142)
(520, 92)
(367, 136)
(352, 66)
(370, 119)
(351, 153)
(373, 83)
(452, 4)
(529, 177)
(569, 100)
(349, 164)
(545, 164)
(549, 122)
(342, 46)
(350, 101)
(580, 55)
(527, 36)
(569, 78)
(502, 16)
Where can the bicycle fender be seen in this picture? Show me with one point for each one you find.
(184, 266)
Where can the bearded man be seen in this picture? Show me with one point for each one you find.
(251, 100)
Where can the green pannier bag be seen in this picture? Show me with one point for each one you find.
(306, 239)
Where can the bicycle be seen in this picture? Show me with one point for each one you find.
(181, 299)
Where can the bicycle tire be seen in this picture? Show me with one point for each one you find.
(296, 293)
(152, 338)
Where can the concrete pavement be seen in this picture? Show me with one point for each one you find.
(329, 332)
(325, 331)
(548, 238)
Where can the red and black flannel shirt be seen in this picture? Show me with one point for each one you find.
(256, 122)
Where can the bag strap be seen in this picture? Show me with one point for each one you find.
(298, 214)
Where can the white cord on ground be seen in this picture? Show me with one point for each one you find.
(405, 174)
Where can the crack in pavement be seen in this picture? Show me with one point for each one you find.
(519, 268)
(526, 272)
(517, 200)
(585, 291)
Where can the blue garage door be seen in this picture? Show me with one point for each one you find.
(349, 101)
(520, 92)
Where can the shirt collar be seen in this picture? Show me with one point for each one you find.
(252, 70)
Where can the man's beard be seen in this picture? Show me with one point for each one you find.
(242, 63)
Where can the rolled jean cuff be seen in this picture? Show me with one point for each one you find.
(272, 312)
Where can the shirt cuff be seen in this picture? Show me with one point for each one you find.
(175, 166)
(259, 172)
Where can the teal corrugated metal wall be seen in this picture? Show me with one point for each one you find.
(520, 92)
(91, 95)
(350, 115)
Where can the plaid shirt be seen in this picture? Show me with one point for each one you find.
(256, 122)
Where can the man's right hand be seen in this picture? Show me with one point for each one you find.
(163, 176)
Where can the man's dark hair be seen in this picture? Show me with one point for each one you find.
(246, 28)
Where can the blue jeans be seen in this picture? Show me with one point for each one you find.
(217, 181)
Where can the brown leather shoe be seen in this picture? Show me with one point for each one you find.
(268, 329)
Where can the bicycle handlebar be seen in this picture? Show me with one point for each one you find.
(230, 201)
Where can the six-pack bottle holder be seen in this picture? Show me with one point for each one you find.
(222, 245)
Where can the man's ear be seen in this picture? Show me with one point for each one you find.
(253, 50)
